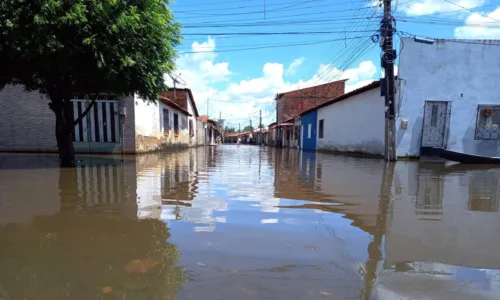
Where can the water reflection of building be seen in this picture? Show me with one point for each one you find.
(340, 184)
(442, 232)
(446, 217)
(34, 185)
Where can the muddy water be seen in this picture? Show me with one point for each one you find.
(247, 223)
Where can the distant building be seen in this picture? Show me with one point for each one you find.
(353, 122)
(290, 104)
(211, 130)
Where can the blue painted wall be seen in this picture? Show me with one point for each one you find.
(309, 142)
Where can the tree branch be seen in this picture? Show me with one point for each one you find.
(80, 117)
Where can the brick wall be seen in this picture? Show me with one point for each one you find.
(27, 123)
(290, 104)
(128, 126)
(180, 97)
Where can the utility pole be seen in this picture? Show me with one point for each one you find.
(260, 130)
(388, 58)
(207, 128)
(260, 120)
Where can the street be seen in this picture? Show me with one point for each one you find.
(246, 222)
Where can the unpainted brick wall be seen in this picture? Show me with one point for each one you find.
(287, 105)
(27, 123)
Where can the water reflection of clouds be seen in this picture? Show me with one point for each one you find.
(226, 185)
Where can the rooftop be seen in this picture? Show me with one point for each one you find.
(373, 85)
(318, 90)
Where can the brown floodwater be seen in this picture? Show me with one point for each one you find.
(245, 222)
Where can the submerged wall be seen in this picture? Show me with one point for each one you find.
(463, 73)
(27, 124)
(150, 132)
(355, 124)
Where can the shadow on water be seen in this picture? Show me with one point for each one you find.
(249, 223)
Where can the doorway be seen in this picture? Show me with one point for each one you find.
(436, 124)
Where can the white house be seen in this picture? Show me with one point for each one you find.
(353, 122)
(450, 96)
(169, 122)
(113, 125)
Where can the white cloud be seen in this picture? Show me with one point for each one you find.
(209, 78)
(292, 68)
(424, 7)
(480, 26)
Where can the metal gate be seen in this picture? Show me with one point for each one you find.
(101, 124)
(436, 124)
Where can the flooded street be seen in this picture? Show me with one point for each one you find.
(245, 222)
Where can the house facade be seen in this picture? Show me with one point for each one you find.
(211, 131)
(449, 98)
(290, 104)
(160, 125)
(308, 134)
(351, 123)
(113, 124)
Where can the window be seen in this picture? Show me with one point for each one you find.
(321, 129)
(309, 128)
(191, 130)
(183, 122)
(487, 123)
(434, 115)
(166, 121)
(176, 123)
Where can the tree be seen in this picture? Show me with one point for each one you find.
(68, 48)
(248, 128)
(260, 126)
(229, 129)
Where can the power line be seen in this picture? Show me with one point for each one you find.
(289, 4)
(211, 3)
(276, 23)
(266, 47)
(283, 16)
(465, 8)
(274, 33)
(267, 11)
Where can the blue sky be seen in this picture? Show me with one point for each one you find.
(238, 54)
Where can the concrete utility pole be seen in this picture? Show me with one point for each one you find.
(260, 120)
(388, 58)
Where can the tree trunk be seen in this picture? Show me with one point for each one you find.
(64, 132)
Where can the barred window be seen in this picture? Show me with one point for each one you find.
(488, 122)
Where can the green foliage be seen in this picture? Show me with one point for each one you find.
(64, 48)
(229, 129)
(248, 128)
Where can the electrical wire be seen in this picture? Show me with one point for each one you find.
(274, 33)
(465, 8)
(264, 11)
(289, 4)
(263, 47)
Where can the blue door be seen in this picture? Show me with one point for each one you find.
(308, 132)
